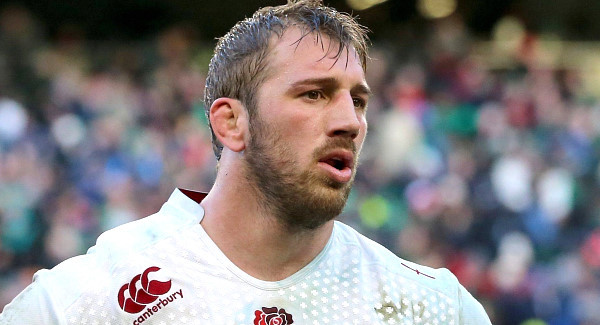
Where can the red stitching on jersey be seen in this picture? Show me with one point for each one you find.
(417, 271)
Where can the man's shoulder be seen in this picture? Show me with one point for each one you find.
(119, 254)
(385, 263)
(135, 236)
(396, 279)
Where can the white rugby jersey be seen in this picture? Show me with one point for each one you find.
(165, 269)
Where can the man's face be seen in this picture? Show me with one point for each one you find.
(309, 128)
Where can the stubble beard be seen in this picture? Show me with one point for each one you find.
(300, 199)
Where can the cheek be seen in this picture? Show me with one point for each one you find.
(364, 126)
(362, 134)
(298, 131)
(291, 140)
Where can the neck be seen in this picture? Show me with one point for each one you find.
(244, 228)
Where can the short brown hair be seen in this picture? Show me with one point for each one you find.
(239, 65)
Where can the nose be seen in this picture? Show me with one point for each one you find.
(343, 118)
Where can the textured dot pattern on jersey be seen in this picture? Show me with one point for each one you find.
(165, 269)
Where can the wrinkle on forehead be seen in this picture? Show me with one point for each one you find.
(295, 54)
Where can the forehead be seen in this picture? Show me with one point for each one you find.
(295, 54)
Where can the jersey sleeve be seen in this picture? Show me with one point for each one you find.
(45, 300)
(34, 305)
(471, 311)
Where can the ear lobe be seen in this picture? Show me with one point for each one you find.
(229, 122)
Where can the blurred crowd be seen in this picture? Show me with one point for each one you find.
(490, 170)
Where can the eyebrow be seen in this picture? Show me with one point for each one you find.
(330, 82)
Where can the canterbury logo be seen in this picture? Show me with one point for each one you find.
(141, 291)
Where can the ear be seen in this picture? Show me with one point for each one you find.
(229, 121)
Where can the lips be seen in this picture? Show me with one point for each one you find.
(338, 164)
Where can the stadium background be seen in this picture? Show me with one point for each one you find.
(482, 154)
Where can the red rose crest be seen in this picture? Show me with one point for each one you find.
(272, 316)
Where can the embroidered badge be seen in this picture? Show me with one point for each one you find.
(141, 291)
(272, 316)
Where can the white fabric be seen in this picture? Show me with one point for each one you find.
(352, 281)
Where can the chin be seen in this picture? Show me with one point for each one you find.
(314, 207)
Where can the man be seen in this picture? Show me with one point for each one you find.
(286, 98)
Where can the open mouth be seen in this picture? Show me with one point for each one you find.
(339, 160)
(339, 165)
(336, 163)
